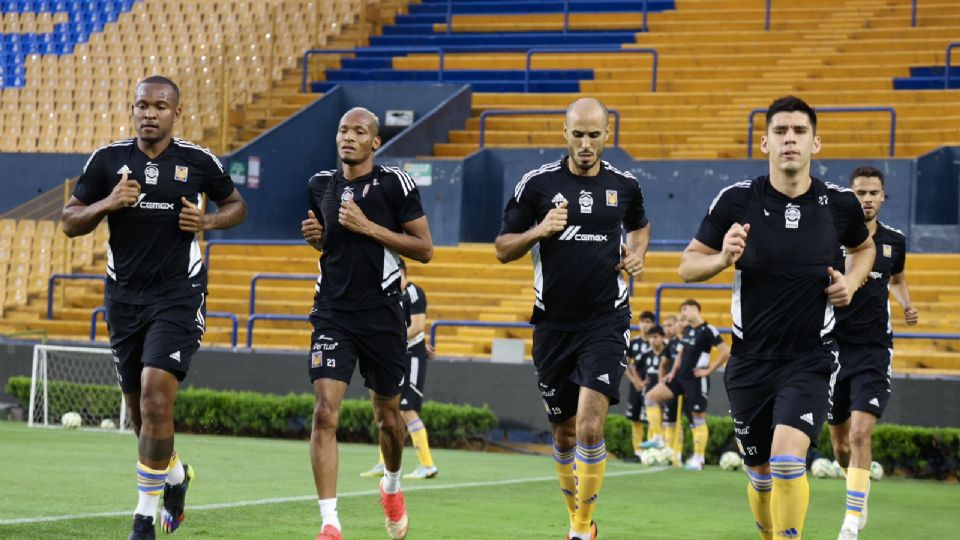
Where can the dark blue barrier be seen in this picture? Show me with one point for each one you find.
(219, 242)
(889, 110)
(75, 277)
(385, 50)
(566, 16)
(531, 112)
(593, 49)
(210, 315)
(435, 125)
(946, 65)
(269, 317)
(273, 277)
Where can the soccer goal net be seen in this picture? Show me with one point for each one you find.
(81, 380)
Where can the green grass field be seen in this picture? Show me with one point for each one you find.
(263, 489)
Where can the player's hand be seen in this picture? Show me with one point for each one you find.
(839, 293)
(637, 386)
(701, 372)
(352, 218)
(431, 352)
(191, 217)
(734, 243)
(668, 377)
(911, 315)
(629, 261)
(311, 229)
(554, 222)
(124, 194)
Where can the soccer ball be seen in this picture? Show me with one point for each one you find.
(822, 468)
(71, 420)
(876, 471)
(649, 457)
(837, 470)
(665, 456)
(107, 423)
(730, 461)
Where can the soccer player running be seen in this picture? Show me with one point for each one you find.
(635, 403)
(149, 188)
(362, 217)
(411, 397)
(690, 376)
(581, 314)
(865, 336)
(781, 232)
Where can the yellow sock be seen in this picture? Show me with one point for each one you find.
(563, 463)
(758, 495)
(418, 433)
(636, 432)
(381, 456)
(791, 495)
(589, 467)
(669, 434)
(655, 417)
(858, 486)
(700, 436)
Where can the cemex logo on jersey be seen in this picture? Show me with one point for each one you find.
(558, 199)
(141, 203)
(791, 216)
(571, 234)
(586, 202)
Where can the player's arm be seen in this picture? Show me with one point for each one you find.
(633, 376)
(79, 218)
(512, 246)
(231, 211)
(414, 242)
(417, 323)
(898, 286)
(858, 264)
(676, 365)
(635, 250)
(661, 371)
(700, 262)
(721, 360)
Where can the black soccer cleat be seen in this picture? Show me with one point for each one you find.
(142, 528)
(174, 500)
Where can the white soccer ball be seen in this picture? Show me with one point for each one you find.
(107, 423)
(822, 468)
(665, 456)
(648, 457)
(838, 471)
(731, 461)
(876, 471)
(71, 420)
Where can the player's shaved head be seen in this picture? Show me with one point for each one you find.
(586, 107)
(358, 116)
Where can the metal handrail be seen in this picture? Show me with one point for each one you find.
(514, 112)
(273, 277)
(211, 315)
(481, 324)
(269, 317)
(893, 122)
(306, 58)
(913, 14)
(594, 49)
(51, 283)
(218, 242)
(566, 16)
(946, 68)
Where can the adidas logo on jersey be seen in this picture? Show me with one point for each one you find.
(808, 418)
(176, 356)
(875, 402)
(604, 378)
(124, 169)
(558, 199)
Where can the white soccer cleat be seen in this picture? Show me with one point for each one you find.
(848, 533)
(694, 464)
(375, 472)
(862, 522)
(422, 473)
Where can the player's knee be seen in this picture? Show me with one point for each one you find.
(590, 430)
(859, 437)
(564, 436)
(155, 407)
(325, 416)
(387, 419)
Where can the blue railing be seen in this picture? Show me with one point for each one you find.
(273, 277)
(308, 53)
(481, 324)
(75, 277)
(913, 14)
(514, 112)
(217, 242)
(555, 50)
(235, 323)
(269, 317)
(946, 67)
(566, 16)
(766, 18)
(890, 110)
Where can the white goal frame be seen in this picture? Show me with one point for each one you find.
(39, 383)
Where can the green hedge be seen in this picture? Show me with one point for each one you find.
(201, 410)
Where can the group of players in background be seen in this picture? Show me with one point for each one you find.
(808, 346)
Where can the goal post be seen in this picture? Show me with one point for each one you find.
(75, 379)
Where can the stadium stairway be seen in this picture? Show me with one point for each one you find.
(711, 75)
(462, 283)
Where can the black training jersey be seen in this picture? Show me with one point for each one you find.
(148, 257)
(697, 344)
(415, 301)
(575, 278)
(638, 346)
(779, 306)
(649, 364)
(867, 319)
(673, 345)
(356, 272)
